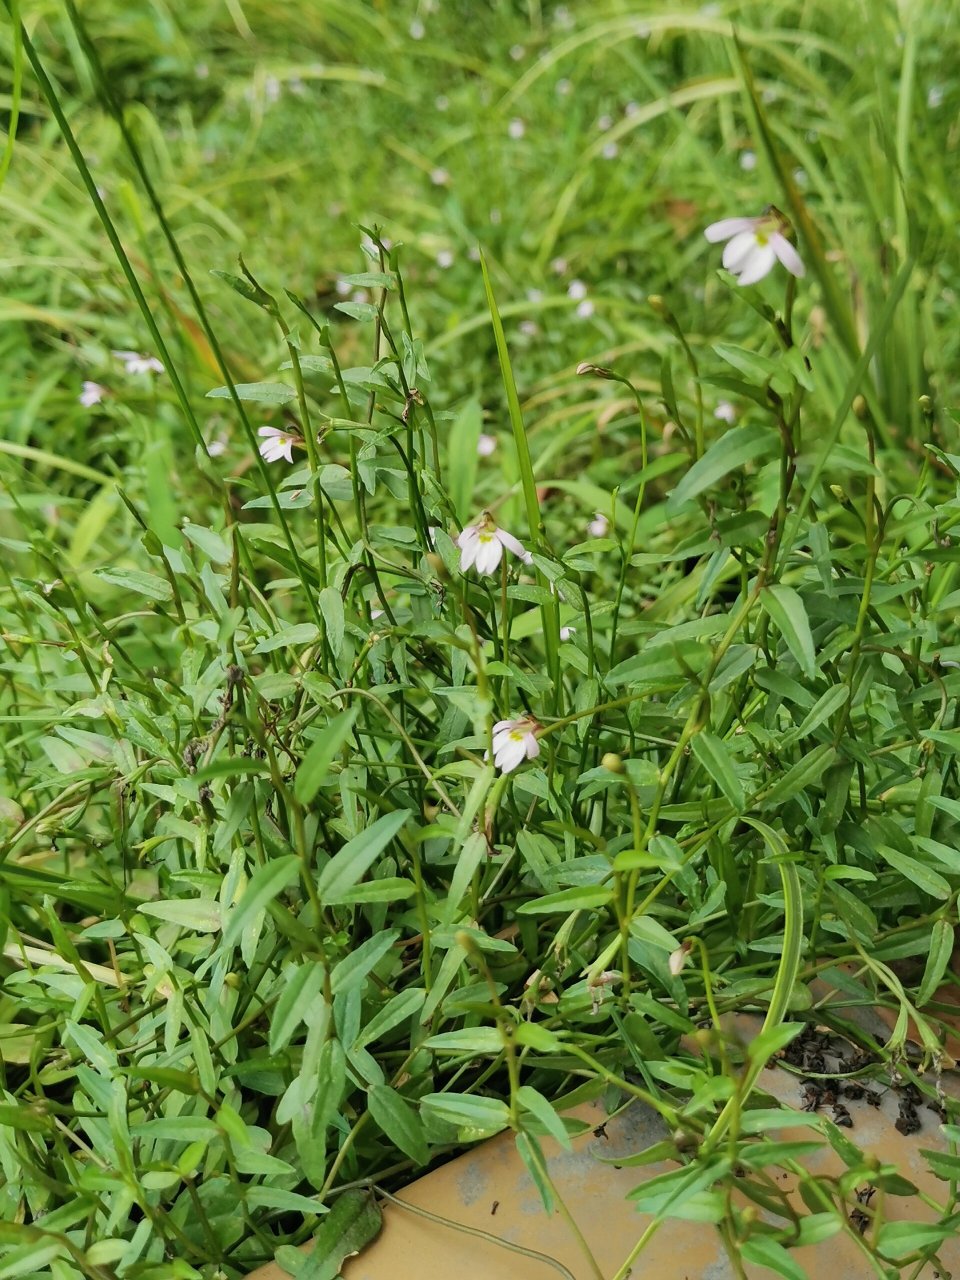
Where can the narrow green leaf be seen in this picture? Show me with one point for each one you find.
(538, 1106)
(917, 873)
(353, 1221)
(769, 1253)
(488, 1114)
(355, 858)
(399, 1121)
(331, 607)
(578, 898)
(302, 984)
(399, 1008)
(713, 755)
(938, 957)
(734, 449)
(265, 884)
(315, 765)
(258, 392)
(789, 616)
(800, 776)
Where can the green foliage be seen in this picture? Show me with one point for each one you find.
(275, 929)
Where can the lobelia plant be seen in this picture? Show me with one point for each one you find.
(352, 839)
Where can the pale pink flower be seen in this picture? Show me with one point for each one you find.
(513, 742)
(276, 444)
(516, 129)
(567, 632)
(754, 245)
(725, 412)
(598, 526)
(576, 290)
(91, 394)
(481, 546)
(486, 445)
(134, 362)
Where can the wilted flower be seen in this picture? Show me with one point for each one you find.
(754, 245)
(91, 394)
(679, 958)
(276, 444)
(598, 526)
(486, 445)
(595, 985)
(134, 362)
(481, 546)
(725, 412)
(513, 742)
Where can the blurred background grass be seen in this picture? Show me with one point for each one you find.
(584, 146)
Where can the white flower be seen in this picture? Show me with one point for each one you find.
(562, 88)
(934, 96)
(445, 259)
(134, 362)
(439, 177)
(679, 958)
(529, 328)
(559, 266)
(576, 290)
(725, 412)
(754, 245)
(271, 89)
(611, 151)
(513, 742)
(91, 394)
(276, 444)
(598, 526)
(585, 309)
(486, 445)
(604, 123)
(417, 29)
(748, 161)
(567, 632)
(217, 447)
(516, 128)
(517, 52)
(481, 546)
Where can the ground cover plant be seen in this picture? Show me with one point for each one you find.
(461, 649)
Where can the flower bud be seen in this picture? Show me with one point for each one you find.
(587, 370)
(612, 762)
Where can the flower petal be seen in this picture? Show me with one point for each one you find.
(787, 254)
(728, 227)
(469, 544)
(511, 543)
(759, 264)
(503, 724)
(489, 554)
(531, 745)
(738, 251)
(511, 755)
